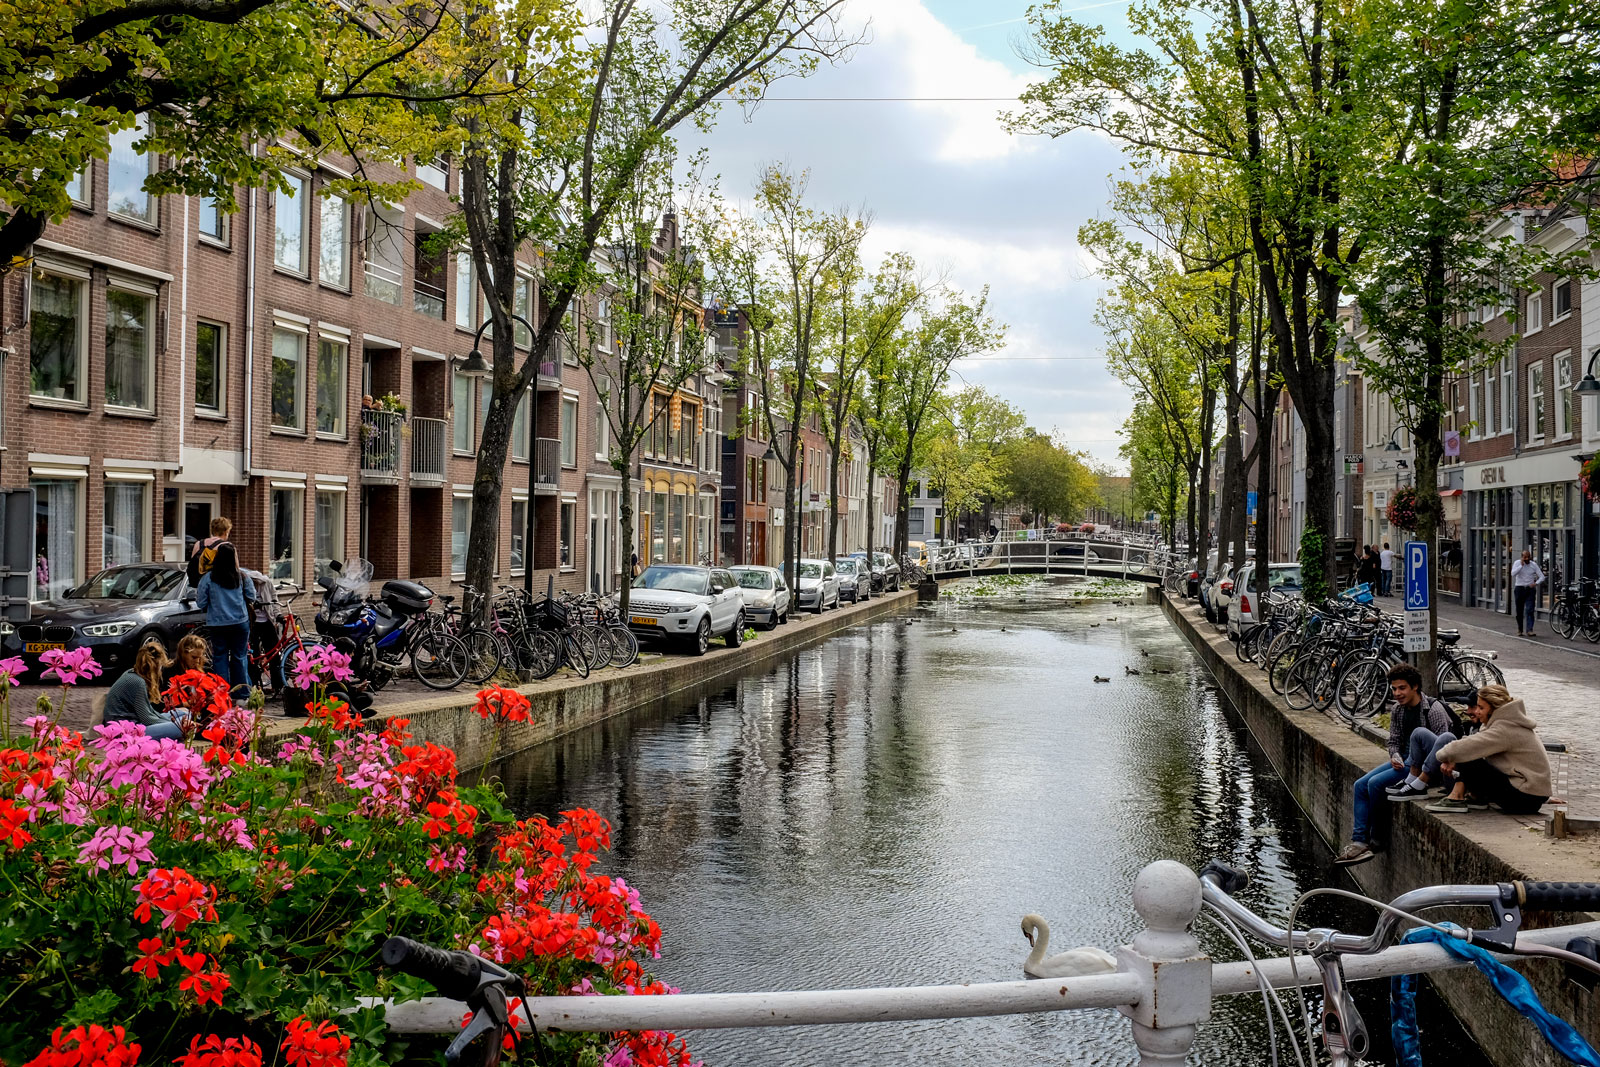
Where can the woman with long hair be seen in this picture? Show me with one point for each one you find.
(136, 696)
(223, 595)
(1503, 763)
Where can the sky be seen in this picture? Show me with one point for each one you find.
(946, 183)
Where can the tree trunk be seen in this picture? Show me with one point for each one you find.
(625, 594)
(833, 502)
(488, 479)
(1265, 469)
(1200, 540)
(872, 478)
(902, 506)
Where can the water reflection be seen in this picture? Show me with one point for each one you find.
(883, 808)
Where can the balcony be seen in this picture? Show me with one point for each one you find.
(547, 464)
(380, 447)
(427, 299)
(428, 451)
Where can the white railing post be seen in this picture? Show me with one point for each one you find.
(1168, 960)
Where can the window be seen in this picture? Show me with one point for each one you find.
(461, 412)
(1508, 415)
(1561, 300)
(385, 256)
(602, 324)
(519, 429)
(1535, 316)
(434, 172)
(126, 173)
(284, 546)
(914, 520)
(464, 317)
(569, 524)
(327, 532)
(602, 428)
(130, 361)
(57, 565)
(333, 253)
(127, 525)
(569, 433)
(331, 360)
(210, 366)
(289, 225)
(59, 329)
(213, 220)
(688, 421)
(1564, 395)
(1474, 407)
(460, 531)
(1536, 401)
(288, 385)
(485, 397)
(430, 262)
(519, 530)
(522, 304)
(79, 186)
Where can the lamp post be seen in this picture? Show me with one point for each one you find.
(476, 366)
(1588, 391)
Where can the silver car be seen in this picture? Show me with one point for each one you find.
(765, 593)
(855, 578)
(818, 586)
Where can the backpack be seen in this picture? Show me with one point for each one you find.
(201, 559)
(1458, 725)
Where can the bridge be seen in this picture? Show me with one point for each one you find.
(1132, 560)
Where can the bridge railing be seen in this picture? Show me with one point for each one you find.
(1056, 555)
(1163, 982)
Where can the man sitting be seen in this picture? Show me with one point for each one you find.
(1409, 709)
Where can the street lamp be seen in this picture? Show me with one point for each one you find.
(1588, 391)
(1392, 446)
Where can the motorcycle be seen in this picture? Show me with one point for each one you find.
(387, 632)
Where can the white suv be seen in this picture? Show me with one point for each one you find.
(688, 603)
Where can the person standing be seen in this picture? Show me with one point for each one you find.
(1525, 579)
(1367, 570)
(1386, 568)
(204, 552)
(224, 596)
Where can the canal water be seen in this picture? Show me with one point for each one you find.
(883, 808)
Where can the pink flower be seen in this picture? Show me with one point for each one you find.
(620, 1057)
(12, 669)
(127, 847)
(71, 665)
(319, 664)
(453, 858)
(158, 772)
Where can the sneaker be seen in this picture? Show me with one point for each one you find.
(1449, 806)
(1354, 853)
(1408, 792)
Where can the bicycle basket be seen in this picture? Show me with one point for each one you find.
(556, 612)
(1361, 594)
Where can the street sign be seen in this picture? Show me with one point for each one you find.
(1250, 502)
(1416, 564)
(1416, 622)
(1416, 642)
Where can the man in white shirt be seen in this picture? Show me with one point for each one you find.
(1525, 579)
(1386, 565)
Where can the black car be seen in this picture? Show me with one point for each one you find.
(112, 613)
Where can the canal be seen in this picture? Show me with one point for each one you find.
(883, 808)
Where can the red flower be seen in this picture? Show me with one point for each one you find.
(334, 713)
(501, 703)
(206, 987)
(12, 821)
(182, 898)
(216, 1052)
(87, 1046)
(155, 956)
(203, 693)
(448, 814)
(321, 1045)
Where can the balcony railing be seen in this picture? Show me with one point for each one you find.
(427, 299)
(547, 462)
(380, 446)
(428, 451)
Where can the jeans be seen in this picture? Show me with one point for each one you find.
(1370, 796)
(1524, 600)
(164, 730)
(230, 647)
(1425, 746)
(1387, 582)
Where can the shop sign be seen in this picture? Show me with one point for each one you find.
(1492, 476)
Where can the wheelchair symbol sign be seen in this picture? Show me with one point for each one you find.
(1416, 565)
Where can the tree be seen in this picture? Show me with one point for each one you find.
(553, 165)
(1049, 480)
(967, 455)
(214, 85)
(1155, 467)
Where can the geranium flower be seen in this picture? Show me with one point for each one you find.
(208, 986)
(319, 664)
(88, 1046)
(180, 896)
(12, 821)
(318, 1045)
(217, 1052)
(13, 668)
(501, 703)
(70, 665)
(127, 846)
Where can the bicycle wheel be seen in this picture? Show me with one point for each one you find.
(1297, 683)
(483, 655)
(1278, 666)
(1469, 672)
(1362, 687)
(1247, 640)
(1591, 623)
(574, 654)
(1324, 686)
(1563, 621)
(1280, 641)
(602, 645)
(624, 647)
(538, 654)
(438, 660)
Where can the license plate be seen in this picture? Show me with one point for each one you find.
(41, 646)
(642, 620)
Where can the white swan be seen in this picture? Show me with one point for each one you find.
(1079, 961)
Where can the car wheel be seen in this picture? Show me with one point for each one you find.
(736, 635)
(818, 609)
(702, 637)
(783, 617)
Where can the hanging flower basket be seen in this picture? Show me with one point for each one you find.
(1402, 509)
(1589, 477)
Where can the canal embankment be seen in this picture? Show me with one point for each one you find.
(1319, 760)
(565, 703)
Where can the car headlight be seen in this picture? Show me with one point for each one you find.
(109, 629)
(678, 610)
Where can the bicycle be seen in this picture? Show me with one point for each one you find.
(1345, 1038)
(1578, 610)
(291, 640)
(485, 987)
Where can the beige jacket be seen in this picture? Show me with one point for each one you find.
(1508, 743)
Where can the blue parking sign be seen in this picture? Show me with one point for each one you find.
(1416, 564)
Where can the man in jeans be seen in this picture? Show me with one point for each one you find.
(1525, 579)
(1409, 710)
(1386, 563)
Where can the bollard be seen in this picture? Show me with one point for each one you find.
(1165, 955)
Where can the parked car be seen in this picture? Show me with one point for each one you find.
(765, 595)
(818, 586)
(1242, 612)
(855, 578)
(112, 613)
(1221, 595)
(885, 572)
(687, 603)
(1191, 579)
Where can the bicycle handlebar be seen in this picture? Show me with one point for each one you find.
(456, 975)
(1552, 896)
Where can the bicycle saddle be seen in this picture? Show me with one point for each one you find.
(1449, 637)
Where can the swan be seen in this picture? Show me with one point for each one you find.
(1079, 961)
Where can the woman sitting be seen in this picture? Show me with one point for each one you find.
(193, 654)
(200, 699)
(136, 697)
(1502, 764)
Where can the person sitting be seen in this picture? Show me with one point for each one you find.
(1409, 710)
(136, 697)
(193, 654)
(1422, 762)
(1502, 764)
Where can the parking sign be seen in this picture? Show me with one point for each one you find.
(1416, 564)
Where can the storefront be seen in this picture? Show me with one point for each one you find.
(1530, 502)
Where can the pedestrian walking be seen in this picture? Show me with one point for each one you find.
(1367, 572)
(1386, 569)
(1525, 579)
(204, 552)
(225, 596)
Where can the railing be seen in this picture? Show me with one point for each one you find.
(383, 281)
(428, 450)
(380, 445)
(547, 462)
(1054, 555)
(427, 299)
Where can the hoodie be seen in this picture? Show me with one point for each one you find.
(1508, 742)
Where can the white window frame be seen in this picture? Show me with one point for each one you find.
(1474, 406)
(518, 532)
(1563, 396)
(341, 396)
(430, 172)
(148, 295)
(80, 187)
(384, 279)
(152, 217)
(1535, 315)
(82, 279)
(81, 520)
(1557, 315)
(220, 238)
(142, 480)
(519, 427)
(1536, 409)
(458, 417)
(464, 290)
(337, 494)
(602, 321)
(522, 304)
(221, 410)
(569, 449)
(570, 564)
(299, 199)
(455, 499)
(340, 239)
(297, 491)
(602, 420)
(304, 335)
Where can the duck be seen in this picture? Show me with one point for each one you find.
(1100, 679)
(1083, 960)
(1111, 618)
(1131, 670)
(1143, 652)
(1092, 625)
